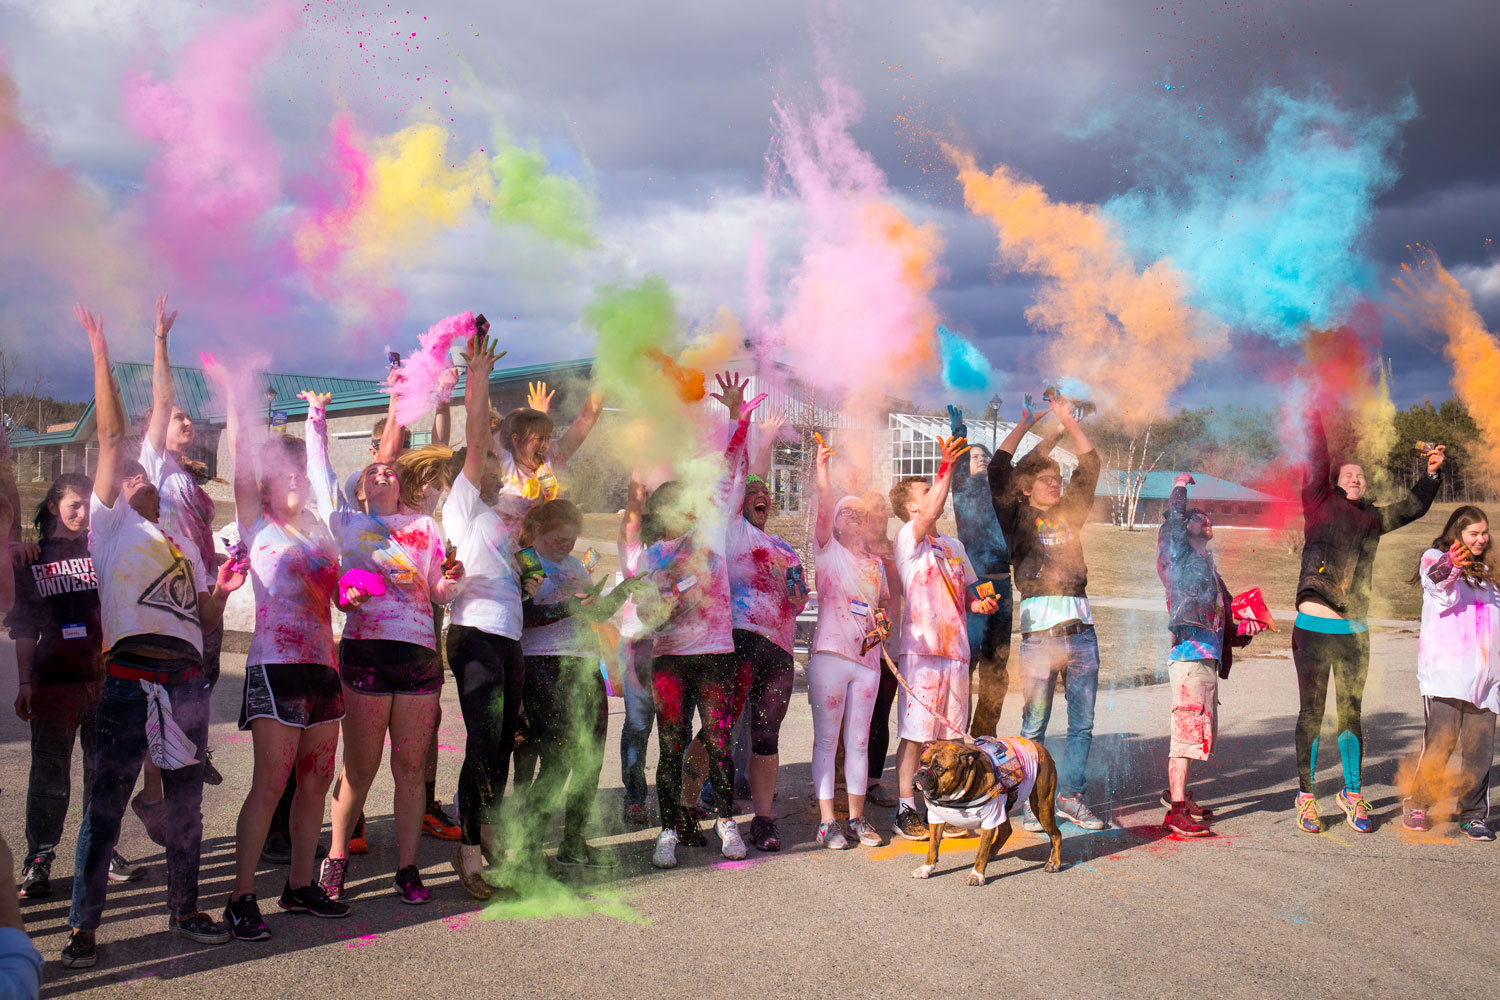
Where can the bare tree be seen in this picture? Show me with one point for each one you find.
(18, 390)
(1126, 497)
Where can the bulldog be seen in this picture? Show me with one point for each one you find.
(979, 785)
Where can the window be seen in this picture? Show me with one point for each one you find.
(912, 453)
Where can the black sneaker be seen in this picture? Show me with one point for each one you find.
(277, 849)
(409, 886)
(909, 824)
(211, 775)
(200, 927)
(36, 879)
(586, 857)
(121, 870)
(244, 920)
(1477, 829)
(763, 834)
(311, 899)
(690, 834)
(80, 952)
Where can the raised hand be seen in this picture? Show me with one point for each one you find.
(446, 380)
(952, 448)
(1460, 554)
(825, 453)
(1028, 415)
(315, 400)
(480, 354)
(95, 327)
(214, 369)
(772, 424)
(1185, 479)
(537, 396)
(732, 393)
(164, 319)
(1435, 459)
(955, 418)
(1062, 407)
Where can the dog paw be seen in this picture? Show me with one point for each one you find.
(1053, 866)
(923, 872)
(974, 878)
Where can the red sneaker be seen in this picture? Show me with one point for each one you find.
(440, 824)
(1180, 821)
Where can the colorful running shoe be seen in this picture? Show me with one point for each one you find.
(665, 855)
(763, 834)
(331, 876)
(732, 845)
(409, 886)
(357, 842)
(831, 836)
(867, 834)
(1197, 811)
(1072, 809)
(1356, 811)
(1029, 822)
(909, 825)
(1415, 820)
(244, 919)
(1179, 820)
(439, 824)
(1477, 829)
(1308, 820)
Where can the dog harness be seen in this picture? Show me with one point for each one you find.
(1014, 762)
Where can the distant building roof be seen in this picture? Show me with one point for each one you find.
(984, 432)
(1159, 483)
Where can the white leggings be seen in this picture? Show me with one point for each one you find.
(842, 693)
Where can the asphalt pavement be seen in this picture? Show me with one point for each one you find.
(1258, 910)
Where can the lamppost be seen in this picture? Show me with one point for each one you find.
(994, 413)
(270, 398)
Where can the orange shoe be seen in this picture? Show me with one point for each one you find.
(440, 824)
(357, 843)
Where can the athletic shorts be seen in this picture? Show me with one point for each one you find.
(294, 694)
(1195, 707)
(389, 666)
(941, 685)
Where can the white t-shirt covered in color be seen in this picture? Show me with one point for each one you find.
(147, 581)
(849, 591)
(758, 562)
(294, 571)
(1015, 761)
(491, 598)
(186, 511)
(935, 576)
(405, 549)
(571, 636)
(630, 563)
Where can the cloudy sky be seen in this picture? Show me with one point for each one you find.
(664, 107)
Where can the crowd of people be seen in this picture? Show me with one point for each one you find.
(463, 559)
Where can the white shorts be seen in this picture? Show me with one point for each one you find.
(943, 685)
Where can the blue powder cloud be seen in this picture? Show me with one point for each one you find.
(1271, 231)
(965, 369)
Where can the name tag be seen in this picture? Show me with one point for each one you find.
(75, 631)
(860, 608)
(685, 584)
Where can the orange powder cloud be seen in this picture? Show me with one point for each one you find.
(1128, 333)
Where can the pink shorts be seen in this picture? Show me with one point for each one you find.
(940, 684)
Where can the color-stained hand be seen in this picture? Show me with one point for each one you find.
(538, 398)
(164, 319)
(1460, 554)
(952, 448)
(446, 380)
(732, 393)
(315, 400)
(1185, 479)
(955, 419)
(480, 354)
(94, 325)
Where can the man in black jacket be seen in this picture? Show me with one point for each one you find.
(1043, 528)
(1341, 530)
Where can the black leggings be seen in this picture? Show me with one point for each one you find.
(569, 716)
(880, 723)
(1316, 656)
(763, 680)
(489, 672)
(706, 681)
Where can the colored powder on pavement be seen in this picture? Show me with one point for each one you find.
(1270, 230)
(547, 899)
(965, 369)
(556, 206)
(1129, 333)
(217, 169)
(1431, 296)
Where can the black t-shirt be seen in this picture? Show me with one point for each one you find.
(57, 604)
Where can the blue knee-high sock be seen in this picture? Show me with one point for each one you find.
(1312, 765)
(1349, 752)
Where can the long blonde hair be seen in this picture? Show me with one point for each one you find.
(430, 465)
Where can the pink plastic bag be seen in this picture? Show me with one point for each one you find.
(371, 583)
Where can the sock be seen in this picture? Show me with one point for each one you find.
(431, 793)
(909, 802)
(1349, 754)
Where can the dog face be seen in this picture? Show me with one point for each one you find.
(950, 770)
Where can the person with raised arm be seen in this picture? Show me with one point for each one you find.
(1043, 527)
(529, 460)
(1341, 530)
(394, 569)
(154, 615)
(292, 701)
(933, 703)
(844, 668)
(635, 658)
(693, 644)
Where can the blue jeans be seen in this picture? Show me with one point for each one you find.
(1076, 657)
(640, 715)
(120, 750)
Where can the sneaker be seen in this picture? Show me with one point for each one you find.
(36, 879)
(1414, 820)
(1029, 822)
(1477, 829)
(867, 834)
(1193, 808)
(199, 927)
(690, 834)
(1308, 820)
(409, 886)
(80, 952)
(1179, 820)
(763, 834)
(879, 796)
(951, 832)
(665, 855)
(636, 815)
(311, 899)
(1356, 811)
(211, 775)
(277, 850)
(1072, 809)
(121, 870)
(831, 836)
(586, 856)
(909, 824)
(440, 824)
(732, 845)
(357, 842)
(244, 919)
(151, 817)
(331, 876)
